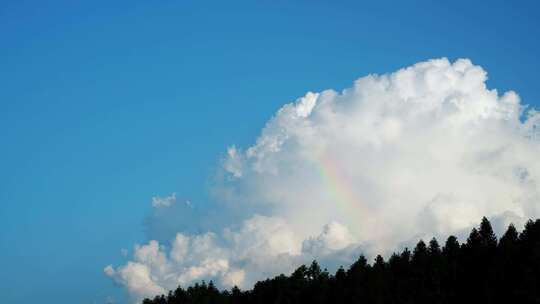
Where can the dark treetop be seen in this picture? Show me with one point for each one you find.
(482, 270)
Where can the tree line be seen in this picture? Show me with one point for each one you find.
(481, 270)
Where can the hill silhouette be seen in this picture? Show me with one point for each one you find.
(481, 270)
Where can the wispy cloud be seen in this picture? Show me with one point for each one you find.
(158, 202)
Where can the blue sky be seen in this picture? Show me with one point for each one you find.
(104, 106)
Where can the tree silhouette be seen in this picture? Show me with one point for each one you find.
(482, 270)
(489, 239)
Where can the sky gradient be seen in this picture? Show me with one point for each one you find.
(106, 106)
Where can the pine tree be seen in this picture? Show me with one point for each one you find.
(314, 271)
(489, 239)
(451, 248)
(508, 244)
(434, 249)
(420, 254)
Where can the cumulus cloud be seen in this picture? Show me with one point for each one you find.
(261, 247)
(424, 151)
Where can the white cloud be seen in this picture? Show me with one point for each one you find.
(109, 270)
(427, 150)
(158, 202)
(333, 237)
(261, 247)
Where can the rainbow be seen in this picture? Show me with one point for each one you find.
(340, 188)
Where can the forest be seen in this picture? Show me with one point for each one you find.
(484, 269)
